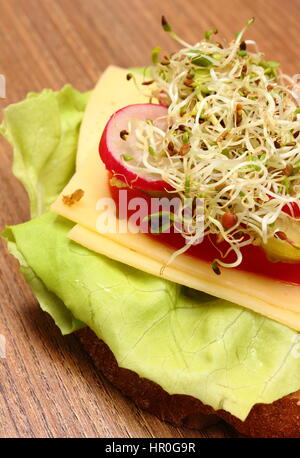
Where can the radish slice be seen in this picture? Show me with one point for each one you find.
(114, 150)
(292, 209)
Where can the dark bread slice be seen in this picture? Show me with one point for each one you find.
(280, 419)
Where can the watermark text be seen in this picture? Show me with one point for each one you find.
(153, 215)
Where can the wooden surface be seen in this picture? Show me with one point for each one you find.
(48, 386)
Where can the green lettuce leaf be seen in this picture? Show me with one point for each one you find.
(43, 130)
(48, 301)
(187, 342)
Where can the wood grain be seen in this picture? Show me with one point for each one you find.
(48, 385)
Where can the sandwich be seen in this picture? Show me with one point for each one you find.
(165, 230)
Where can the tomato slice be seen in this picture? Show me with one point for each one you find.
(254, 258)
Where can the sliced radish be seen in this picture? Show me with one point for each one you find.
(292, 209)
(114, 150)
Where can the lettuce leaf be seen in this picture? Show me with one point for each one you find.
(187, 342)
(43, 131)
(48, 301)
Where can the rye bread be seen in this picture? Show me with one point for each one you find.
(280, 419)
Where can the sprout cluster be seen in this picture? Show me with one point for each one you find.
(231, 136)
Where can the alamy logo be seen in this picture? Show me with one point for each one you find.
(2, 346)
(154, 215)
(2, 87)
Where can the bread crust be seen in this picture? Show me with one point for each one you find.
(278, 420)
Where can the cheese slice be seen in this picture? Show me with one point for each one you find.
(227, 290)
(271, 298)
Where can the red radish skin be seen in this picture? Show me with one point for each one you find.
(292, 209)
(254, 257)
(111, 145)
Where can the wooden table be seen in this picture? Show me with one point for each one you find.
(48, 385)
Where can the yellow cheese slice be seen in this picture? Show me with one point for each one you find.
(271, 298)
(226, 290)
